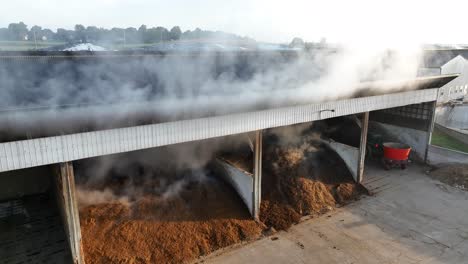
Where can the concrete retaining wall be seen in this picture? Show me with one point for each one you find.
(456, 116)
(440, 156)
(240, 180)
(461, 135)
(349, 154)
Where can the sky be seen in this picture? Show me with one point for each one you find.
(391, 23)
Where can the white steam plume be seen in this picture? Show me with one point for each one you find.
(178, 87)
(162, 172)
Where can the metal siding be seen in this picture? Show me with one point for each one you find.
(450, 92)
(3, 156)
(416, 116)
(29, 156)
(14, 153)
(31, 153)
(37, 152)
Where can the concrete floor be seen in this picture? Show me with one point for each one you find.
(410, 219)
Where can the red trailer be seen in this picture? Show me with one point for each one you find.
(395, 154)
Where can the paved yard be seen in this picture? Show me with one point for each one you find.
(410, 219)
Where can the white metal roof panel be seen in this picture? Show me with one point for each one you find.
(50, 150)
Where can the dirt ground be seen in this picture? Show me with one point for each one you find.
(453, 175)
(300, 178)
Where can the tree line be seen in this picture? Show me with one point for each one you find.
(21, 32)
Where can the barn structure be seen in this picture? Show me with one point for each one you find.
(406, 112)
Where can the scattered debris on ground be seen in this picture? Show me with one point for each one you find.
(453, 175)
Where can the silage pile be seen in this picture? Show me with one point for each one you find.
(200, 219)
(203, 214)
(304, 178)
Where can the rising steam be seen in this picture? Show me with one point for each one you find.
(70, 95)
(163, 172)
(92, 92)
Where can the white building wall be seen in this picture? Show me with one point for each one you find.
(458, 65)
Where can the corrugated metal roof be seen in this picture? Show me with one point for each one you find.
(45, 122)
(50, 150)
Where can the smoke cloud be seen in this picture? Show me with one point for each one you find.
(163, 172)
(126, 90)
(86, 93)
(204, 80)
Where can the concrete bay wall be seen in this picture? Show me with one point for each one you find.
(453, 116)
(241, 181)
(439, 156)
(349, 154)
(461, 135)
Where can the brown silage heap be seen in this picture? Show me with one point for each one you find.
(299, 178)
(203, 218)
(303, 179)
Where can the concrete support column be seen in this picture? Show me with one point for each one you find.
(430, 129)
(362, 147)
(257, 174)
(66, 198)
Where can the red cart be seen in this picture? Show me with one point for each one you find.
(395, 155)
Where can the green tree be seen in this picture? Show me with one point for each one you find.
(163, 34)
(79, 28)
(35, 33)
(48, 34)
(131, 35)
(142, 30)
(80, 33)
(151, 35)
(4, 34)
(297, 43)
(36, 29)
(175, 33)
(18, 31)
(92, 33)
(64, 35)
